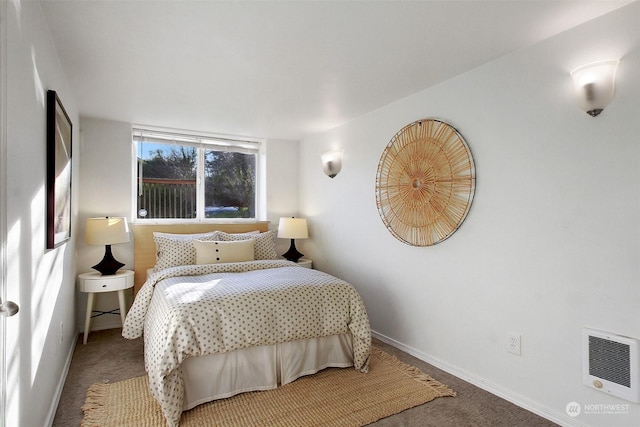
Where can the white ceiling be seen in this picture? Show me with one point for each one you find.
(277, 69)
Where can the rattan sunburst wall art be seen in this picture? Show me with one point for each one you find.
(425, 182)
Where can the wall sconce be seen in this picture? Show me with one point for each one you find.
(594, 85)
(332, 163)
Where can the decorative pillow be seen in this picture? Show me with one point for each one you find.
(265, 243)
(173, 250)
(216, 252)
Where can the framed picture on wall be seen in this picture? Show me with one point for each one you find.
(59, 131)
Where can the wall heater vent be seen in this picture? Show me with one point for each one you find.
(611, 364)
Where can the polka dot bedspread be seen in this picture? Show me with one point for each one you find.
(206, 309)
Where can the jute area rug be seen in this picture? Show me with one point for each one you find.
(333, 397)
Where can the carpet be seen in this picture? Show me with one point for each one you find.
(332, 397)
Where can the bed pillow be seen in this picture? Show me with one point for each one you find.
(173, 250)
(250, 233)
(265, 243)
(215, 252)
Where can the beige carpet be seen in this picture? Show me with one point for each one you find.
(333, 397)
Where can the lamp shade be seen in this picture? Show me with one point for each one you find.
(106, 231)
(293, 228)
(594, 84)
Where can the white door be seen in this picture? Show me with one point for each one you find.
(3, 144)
(7, 308)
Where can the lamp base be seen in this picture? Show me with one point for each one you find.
(292, 254)
(109, 265)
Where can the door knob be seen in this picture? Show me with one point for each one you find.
(8, 308)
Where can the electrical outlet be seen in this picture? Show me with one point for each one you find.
(514, 344)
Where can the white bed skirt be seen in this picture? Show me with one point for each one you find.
(219, 376)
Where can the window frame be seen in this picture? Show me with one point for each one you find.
(201, 141)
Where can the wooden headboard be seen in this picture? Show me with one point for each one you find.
(144, 248)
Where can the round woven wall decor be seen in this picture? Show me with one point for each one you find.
(425, 182)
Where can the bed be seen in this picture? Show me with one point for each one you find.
(221, 313)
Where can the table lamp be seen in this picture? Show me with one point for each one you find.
(292, 228)
(107, 231)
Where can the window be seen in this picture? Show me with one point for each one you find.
(182, 176)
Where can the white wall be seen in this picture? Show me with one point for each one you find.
(41, 337)
(106, 175)
(551, 244)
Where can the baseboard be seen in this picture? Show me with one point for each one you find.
(482, 383)
(63, 378)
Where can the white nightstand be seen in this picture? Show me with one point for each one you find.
(304, 262)
(95, 282)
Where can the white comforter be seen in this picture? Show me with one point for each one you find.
(216, 308)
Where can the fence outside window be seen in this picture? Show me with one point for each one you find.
(167, 198)
(174, 198)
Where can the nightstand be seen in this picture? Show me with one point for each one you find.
(304, 262)
(95, 282)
